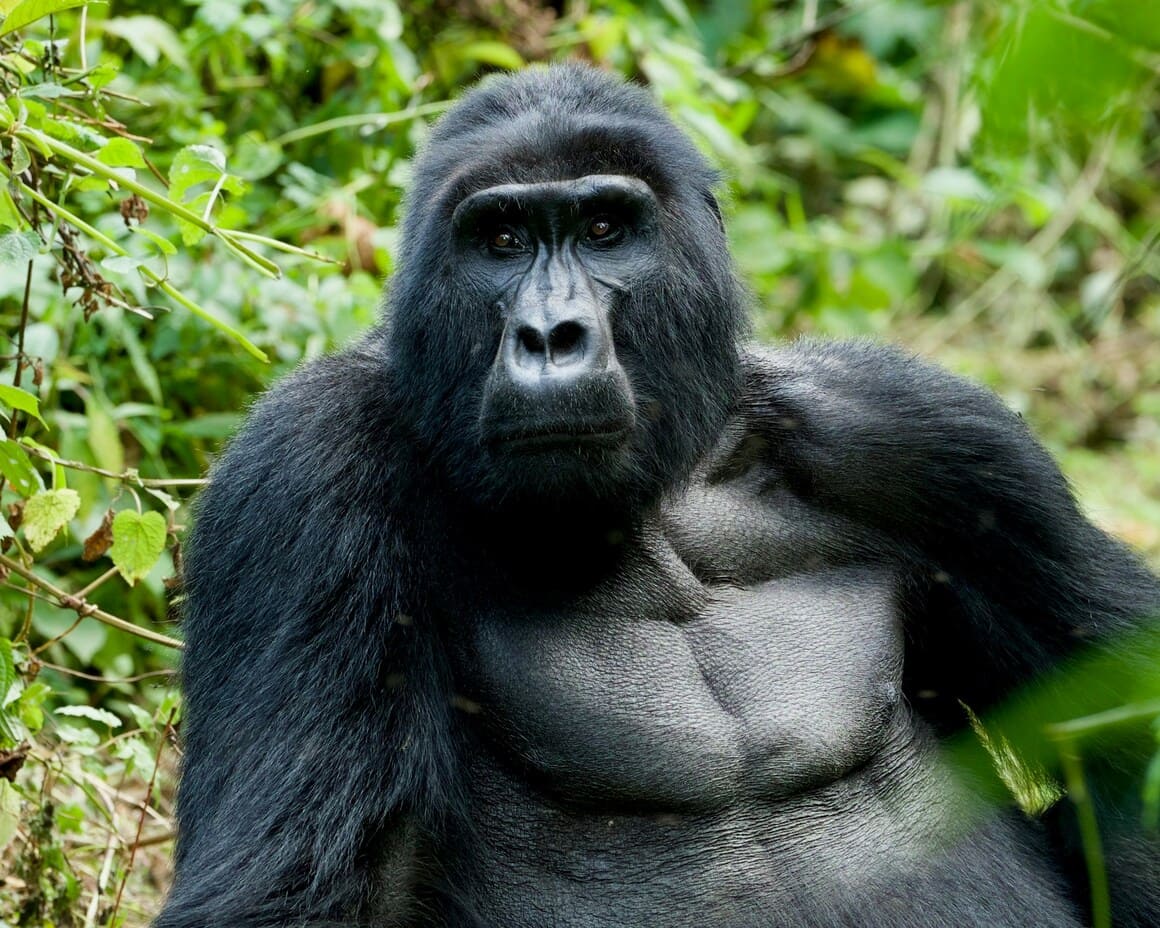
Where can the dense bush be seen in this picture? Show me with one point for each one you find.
(198, 198)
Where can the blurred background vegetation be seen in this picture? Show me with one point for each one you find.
(199, 195)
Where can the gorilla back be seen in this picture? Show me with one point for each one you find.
(555, 602)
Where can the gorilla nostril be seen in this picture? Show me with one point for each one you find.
(566, 340)
(531, 340)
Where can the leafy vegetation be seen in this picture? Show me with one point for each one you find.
(199, 196)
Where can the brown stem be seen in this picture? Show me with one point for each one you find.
(85, 609)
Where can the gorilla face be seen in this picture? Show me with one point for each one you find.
(554, 262)
(566, 317)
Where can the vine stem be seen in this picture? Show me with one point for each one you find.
(128, 476)
(84, 609)
(166, 732)
(47, 144)
(164, 285)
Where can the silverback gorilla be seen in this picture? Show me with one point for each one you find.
(555, 601)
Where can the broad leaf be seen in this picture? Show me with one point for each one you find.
(46, 513)
(9, 812)
(17, 468)
(29, 11)
(22, 400)
(138, 540)
(103, 716)
(18, 247)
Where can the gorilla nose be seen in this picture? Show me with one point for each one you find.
(566, 343)
(557, 349)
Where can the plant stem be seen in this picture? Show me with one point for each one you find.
(73, 220)
(86, 609)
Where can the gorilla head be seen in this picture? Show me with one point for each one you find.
(568, 314)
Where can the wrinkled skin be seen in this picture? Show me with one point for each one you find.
(556, 602)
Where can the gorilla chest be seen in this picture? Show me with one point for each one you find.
(657, 688)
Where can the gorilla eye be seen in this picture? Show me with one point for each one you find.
(504, 240)
(603, 229)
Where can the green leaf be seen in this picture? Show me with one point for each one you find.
(86, 639)
(680, 14)
(122, 264)
(30, 705)
(29, 11)
(46, 91)
(103, 716)
(10, 218)
(18, 247)
(10, 734)
(18, 469)
(194, 164)
(16, 398)
(149, 37)
(254, 158)
(21, 160)
(7, 670)
(1037, 76)
(499, 54)
(138, 540)
(137, 756)
(121, 153)
(46, 513)
(163, 244)
(102, 74)
(961, 184)
(80, 737)
(104, 438)
(9, 812)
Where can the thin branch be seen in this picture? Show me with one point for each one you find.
(14, 422)
(141, 818)
(76, 222)
(86, 610)
(54, 146)
(129, 476)
(279, 245)
(99, 581)
(369, 122)
(112, 681)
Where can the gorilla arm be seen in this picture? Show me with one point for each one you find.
(304, 739)
(1004, 577)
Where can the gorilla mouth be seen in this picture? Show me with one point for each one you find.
(563, 437)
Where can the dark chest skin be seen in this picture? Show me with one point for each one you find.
(714, 730)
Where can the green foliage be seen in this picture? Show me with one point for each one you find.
(196, 197)
(138, 542)
(45, 514)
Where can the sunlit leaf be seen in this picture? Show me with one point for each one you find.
(10, 804)
(46, 513)
(138, 540)
(18, 247)
(7, 670)
(121, 153)
(194, 164)
(29, 11)
(150, 37)
(93, 714)
(17, 468)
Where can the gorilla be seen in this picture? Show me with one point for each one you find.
(557, 601)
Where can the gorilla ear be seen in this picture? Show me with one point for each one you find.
(715, 209)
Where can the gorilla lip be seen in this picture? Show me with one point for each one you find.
(561, 439)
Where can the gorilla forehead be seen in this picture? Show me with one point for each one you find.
(552, 124)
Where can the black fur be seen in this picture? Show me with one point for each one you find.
(348, 760)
